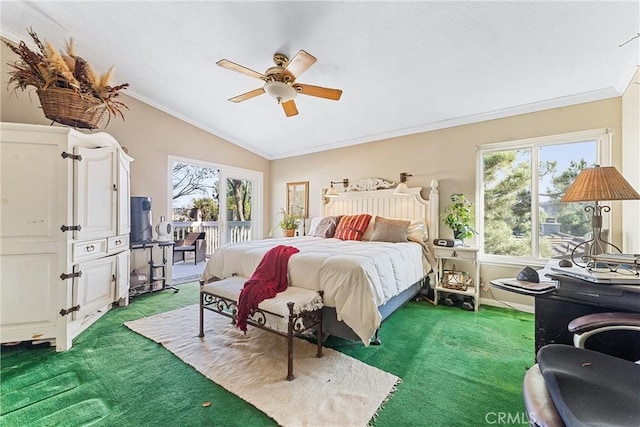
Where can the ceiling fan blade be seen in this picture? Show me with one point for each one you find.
(225, 63)
(320, 92)
(299, 64)
(248, 95)
(289, 108)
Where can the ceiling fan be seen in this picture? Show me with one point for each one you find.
(280, 81)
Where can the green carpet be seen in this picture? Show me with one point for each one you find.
(458, 368)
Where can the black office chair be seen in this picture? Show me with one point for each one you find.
(574, 386)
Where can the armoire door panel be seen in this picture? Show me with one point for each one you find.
(95, 193)
(29, 288)
(29, 186)
(124, 203)
(95, 288)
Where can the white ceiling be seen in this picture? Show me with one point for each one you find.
(404, 67)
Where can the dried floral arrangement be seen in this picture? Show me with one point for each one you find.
(48, 70)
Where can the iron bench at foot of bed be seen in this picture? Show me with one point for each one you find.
(298, 308)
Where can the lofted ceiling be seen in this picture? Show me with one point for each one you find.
(404, 67)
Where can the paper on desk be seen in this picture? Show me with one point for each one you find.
(547, 269)
(544, 285)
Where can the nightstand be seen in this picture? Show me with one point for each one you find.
(451, 262)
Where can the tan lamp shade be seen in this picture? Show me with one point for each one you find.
(331, 192)
(600, 183)
(402, 189)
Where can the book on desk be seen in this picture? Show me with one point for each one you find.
(521, 286)
(603, 276)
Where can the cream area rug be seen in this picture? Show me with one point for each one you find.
(335, 390)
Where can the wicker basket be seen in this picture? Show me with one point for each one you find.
(71, 108)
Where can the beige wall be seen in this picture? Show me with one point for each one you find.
(631, 163)
(448, 155)
(151, 136)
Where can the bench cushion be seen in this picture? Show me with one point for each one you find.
(303, 299)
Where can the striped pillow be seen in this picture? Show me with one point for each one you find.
(352, 227)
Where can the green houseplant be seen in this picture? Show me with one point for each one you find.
(289, 222)
(458, 217)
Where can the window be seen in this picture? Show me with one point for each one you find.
(520, 184)
(223, 201)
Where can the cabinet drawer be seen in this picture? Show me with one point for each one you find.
(90, 249)
(117, 244)
(455, 253)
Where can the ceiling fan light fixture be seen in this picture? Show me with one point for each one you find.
(280, 91)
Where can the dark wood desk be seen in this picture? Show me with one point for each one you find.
(574, 298)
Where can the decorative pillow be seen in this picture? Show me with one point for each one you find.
(418, 231)
(390, 230)
(352, 227)
(326, 227)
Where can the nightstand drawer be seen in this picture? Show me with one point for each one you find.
(455, 253)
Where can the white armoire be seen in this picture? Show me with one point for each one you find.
(64, 235)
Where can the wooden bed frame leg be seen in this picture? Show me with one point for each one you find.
(201, 334)
(290, 344)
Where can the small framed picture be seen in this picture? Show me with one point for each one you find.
(298, 198)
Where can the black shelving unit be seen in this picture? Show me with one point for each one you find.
(157, 271)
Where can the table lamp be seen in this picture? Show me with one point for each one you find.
(594, 185)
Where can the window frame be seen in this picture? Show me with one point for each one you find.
(603, 139)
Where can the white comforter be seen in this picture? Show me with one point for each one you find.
(356, 277)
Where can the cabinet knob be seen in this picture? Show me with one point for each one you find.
(118, 242)
(454, 254)
(90, 248)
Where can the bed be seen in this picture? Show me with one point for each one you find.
(363, 281)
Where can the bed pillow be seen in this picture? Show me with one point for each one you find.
(326, 227)
(417, 231)
(313, 224)
(390, 230)
(352, 227)
(369, 231)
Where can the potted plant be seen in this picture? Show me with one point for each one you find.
(71, 92)
(289, 222)
(458, 217)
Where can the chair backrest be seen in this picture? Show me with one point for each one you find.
(191, 238)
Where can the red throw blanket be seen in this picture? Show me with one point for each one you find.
(269, 278)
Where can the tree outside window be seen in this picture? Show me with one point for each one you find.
(195, 192)
(238, 200)
(521, 187)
